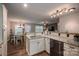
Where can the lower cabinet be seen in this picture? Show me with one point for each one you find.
(33, 47)
(47, 47)
(56, 48)
(70, 50)
(36, 46)
(40, 44)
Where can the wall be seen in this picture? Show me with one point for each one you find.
(1, 22)
(12, 22)
(8, 28)
(69, 23)
(4, 50)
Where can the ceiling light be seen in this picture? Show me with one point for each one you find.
(72, 9)
(25, 5)
(62, 11)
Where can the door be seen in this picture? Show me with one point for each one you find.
(56, 48)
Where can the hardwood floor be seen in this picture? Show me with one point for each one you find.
(16, 50)
(43, 53)
(19, 50)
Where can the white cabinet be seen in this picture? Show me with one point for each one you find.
(36, 46)
(41, 44)
(47, 43)
(33, 47)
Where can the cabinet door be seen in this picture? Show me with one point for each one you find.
(47, 45)
(33, 47)
(41, 44)
(56, 48)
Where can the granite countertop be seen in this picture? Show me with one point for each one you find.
(33, 36)
(64, 32)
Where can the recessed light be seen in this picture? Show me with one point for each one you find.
(25, 5)
(51, 16)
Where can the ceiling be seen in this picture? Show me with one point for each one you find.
(35, 12)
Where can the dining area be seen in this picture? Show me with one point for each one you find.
(16, 42)
(17, 35)
(15, 39)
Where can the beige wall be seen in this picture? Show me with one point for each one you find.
(69, 23)
(1, 22)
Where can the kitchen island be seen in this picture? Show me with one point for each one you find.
(34, 44)
(70, 46)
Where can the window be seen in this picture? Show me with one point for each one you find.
(18, 30)
(38, 28)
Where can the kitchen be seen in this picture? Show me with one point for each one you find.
(39, 29)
